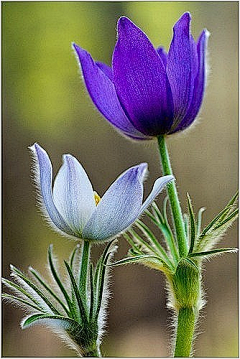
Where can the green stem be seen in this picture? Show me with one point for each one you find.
(83, 278)
(94, 353)
(173, 198)
(185, 331)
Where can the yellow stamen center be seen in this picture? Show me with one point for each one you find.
(97, 198)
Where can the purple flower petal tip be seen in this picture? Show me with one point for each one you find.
(124, 22)
(148, 92)
(184, 20)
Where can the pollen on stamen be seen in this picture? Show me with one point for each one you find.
(97, 198)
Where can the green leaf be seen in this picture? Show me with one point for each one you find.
(100, 262)
(157, 213)
(101, 275)
(155, 246)
(59, 283)
(142, 244)
(217, 227)
(84, 266)
(192, 263)
(152, 216)
(213, 252)
(165, 202)
(73, 255)
(35, 289)
(92, 292)
(101, 282)
(186, 224)
(41, 281)
(132, 243)
(65, 323)
(133, 253)
(132, 259)
(82, 306)
(207, 241)
(233, 199)
(21, 300)
(192, 224)
(199, 220)
(165, 228)
(231, 205)
(232, 215)
(222, 215)
(15, 287)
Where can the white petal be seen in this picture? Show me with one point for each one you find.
(119, 207)
(73, 194)
(43, 179)
(158, 186)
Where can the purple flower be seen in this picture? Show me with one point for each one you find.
(148, 92)
(75, 210)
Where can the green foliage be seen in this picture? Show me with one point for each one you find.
(68, 309)
(213, 232)
(146, 248)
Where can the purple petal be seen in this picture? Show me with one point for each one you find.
(119, 207)
(106, 69)
(43, 178)
(199, 83)
(140, 80)
(73, 194)
(181, 66)
(158, 186)
(162, 53)
(103, 94)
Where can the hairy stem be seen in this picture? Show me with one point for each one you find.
(94, 353)
(173, 198)
(185, 331)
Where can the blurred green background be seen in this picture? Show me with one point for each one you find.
(44, 100)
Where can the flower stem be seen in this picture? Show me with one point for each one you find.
(185, 331)
(94, 353)
(84, 269)
(173, 198)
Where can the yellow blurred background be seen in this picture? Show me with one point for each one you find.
(44, 101)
